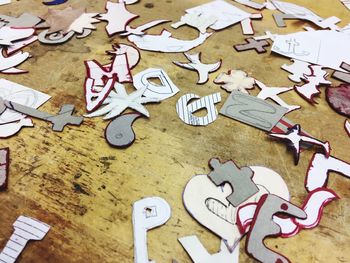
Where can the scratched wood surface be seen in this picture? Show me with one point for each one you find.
(85, 189)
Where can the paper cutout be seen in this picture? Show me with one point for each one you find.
(195, 64)
(140, 29)
(8, 64)
(59, 121)
(199, 254)
(9, 129)
(240, 180)
(129, 2)
(347, 127)
(54, 38)
(119, 132)
(263, 226)
(339, 99)
(197, 20)
(272, 93)
(2, 106)
(229, 14)
(83, 22)
(117, 17)
(298, 69)
(142, 80)
(319, 168)
(346, 3)
(165, 43)
(252, 111)
(55, 2)
(25, 20)
(247, 26)
(185, 110)
(148, 213)
(258, 45)
(26, 229)
(119, 100)
(295, 138)
(279, 19)
(5, 2)
(8, 35)
(4, 167)
(251, 4)
(20, 44)
(343, 76)
(235, 80)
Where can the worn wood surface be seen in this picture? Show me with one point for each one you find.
(85, 189)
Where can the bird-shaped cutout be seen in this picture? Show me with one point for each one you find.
(202, 69)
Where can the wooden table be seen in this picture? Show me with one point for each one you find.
(85, 189)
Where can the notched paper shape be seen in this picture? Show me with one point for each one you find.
(298, 70)
(197, 20)
(294, 137)
(26, 229)
(239, 179)
(196, 64)
(165, 43)
(148, 213)
(258, 45)
(263, 226)
(279, 19)
(235, 80)
(10, 129)
(166, 90)
(119, 132)
(252, 111)
(185, 109)
(339, 99)
(319, 168)
(247, 25)
(9, 63)
(4, 167)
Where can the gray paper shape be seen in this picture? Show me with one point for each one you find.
(54, 38)
(2, 106)
(119, 132)
(264, 226)
(240, 180)
(24, 20)
(279, 18)
(252, 110)
(59, 121)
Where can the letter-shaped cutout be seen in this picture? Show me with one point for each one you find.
(264, 226)
(26, 229)
(252, 111)
(240, 180)
(319, 168)
(185, 110)
(148, 213)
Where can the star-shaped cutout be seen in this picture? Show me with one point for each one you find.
(119, 100)
(235, 80)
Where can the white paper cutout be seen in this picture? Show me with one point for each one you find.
(166, 90)
(83, 22)
(251, 4)
(185, 110)
(207, 203)
(9, 129)
(199, 254)
(119, 100)
(272, 93)
(197, 20)
(228, 14)
(8, 64)
(129, 2)
(4, 167)
(165, 43)
(247, 26)
(195, 64)
(298, 70)
(148, 213)
(319, 168)
(347, 127)
(26, 229)
(235, 80)
(20, 44)
(268, 35)
(5, 2)
(346, 3)
(11, 34)
(140, 29)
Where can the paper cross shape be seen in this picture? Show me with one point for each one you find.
(258, 45)
(339, 99)
(119, 100)
(240, 180)
(295, 138)
(4, 167)
(195, 64)
(235, 80)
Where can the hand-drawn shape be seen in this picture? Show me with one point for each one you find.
(166, 90)
(235, 80)
(140, 29)
(279, 19)
(4, 167)
(59, 121)
(252, 111)
(165, 43)
(229, 14)
(185, 110)
(272, 93)
(319, 168)
(119, 100)
(148, 213)
(247, 26)
(199, 254)
(207, 203)
(263, 226)
(196, 20)
(294, 137)
(347, 127)
(117, 17)
(339, 99)
(55, 2)
(10, 129)
(298, 69)
(25, 20)
(202, 69)
(26, 229)
(343, 76)
(119, 132)
(240, 180)
(258, 45)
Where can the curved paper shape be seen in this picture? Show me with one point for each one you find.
(55, 2)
